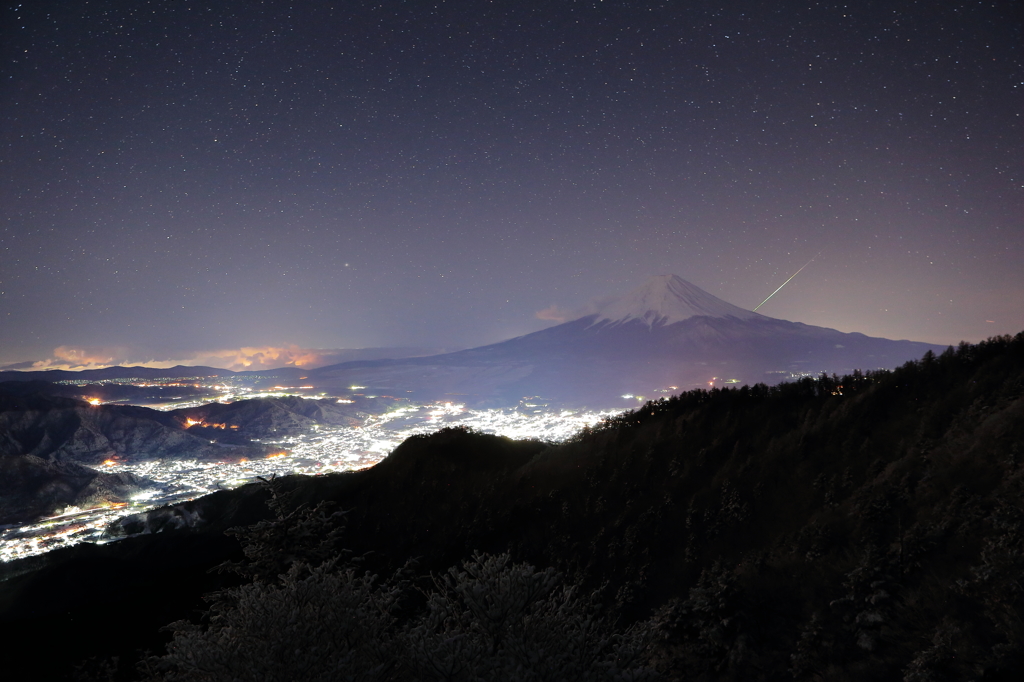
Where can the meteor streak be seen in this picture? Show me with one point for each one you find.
(787, 281)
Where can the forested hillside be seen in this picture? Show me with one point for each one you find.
(854, 528)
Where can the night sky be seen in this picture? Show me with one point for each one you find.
(179, 180)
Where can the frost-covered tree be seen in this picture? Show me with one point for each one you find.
(490, 620)
(321, 624)
(494, 620)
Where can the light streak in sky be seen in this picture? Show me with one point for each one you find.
(787, 281)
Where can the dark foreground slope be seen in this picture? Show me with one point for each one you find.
(869, 527)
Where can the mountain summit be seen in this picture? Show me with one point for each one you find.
(664, 336)
(667, 299)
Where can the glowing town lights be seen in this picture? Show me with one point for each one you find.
(94, 401)
(314, 453)
(189, 423)
(356, 388)
(345, 401)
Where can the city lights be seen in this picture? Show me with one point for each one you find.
(322, 450)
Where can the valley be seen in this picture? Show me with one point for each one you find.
(83, 450)
(317, 449)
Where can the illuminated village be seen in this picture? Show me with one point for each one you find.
(320, 451)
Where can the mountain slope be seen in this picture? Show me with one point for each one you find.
(861, 529)
(664, 336)
(115, 373)
(667, 299)
(667, 333)
(275, 417)
(48, 446)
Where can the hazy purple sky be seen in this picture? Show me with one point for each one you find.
(179, 177)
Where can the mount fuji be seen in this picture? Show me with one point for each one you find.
(668, 335)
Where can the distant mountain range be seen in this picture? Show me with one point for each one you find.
(111, 373)
(667, 335)
(121, 372)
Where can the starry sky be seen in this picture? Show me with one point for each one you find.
(188, 180)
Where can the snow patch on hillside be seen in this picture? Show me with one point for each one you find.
(667, 299)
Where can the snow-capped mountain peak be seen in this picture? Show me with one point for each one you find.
(667, 299)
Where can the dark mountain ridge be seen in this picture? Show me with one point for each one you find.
(108, 392)
(283, 416)
(112, 373)
(50, 444)
(865, 527)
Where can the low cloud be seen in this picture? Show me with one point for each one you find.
(27, 365)
(260, 357)
(82, 357)
(557, 313)
(77, 358)
(553, 313)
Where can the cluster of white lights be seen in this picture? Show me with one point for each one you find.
(323, 449)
